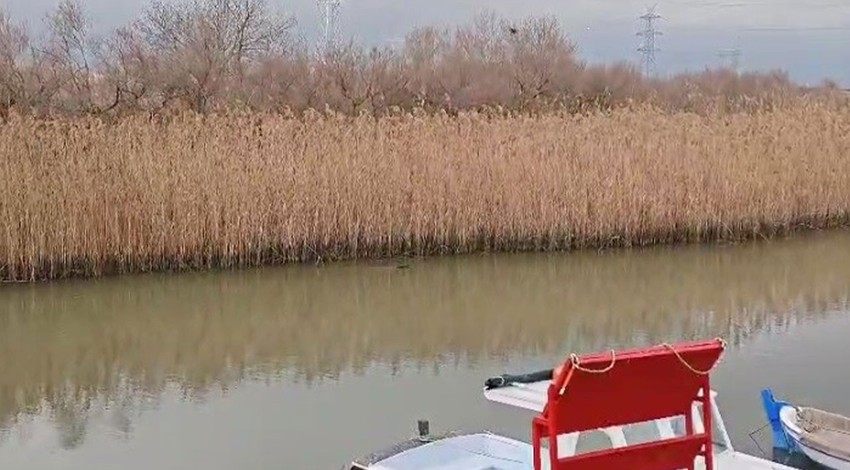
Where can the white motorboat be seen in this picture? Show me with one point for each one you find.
(639, 409)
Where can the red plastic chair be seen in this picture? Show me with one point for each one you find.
(619, 388)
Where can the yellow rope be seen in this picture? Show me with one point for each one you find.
(576, 362)
(690, 367)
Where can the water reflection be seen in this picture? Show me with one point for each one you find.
(113, 347)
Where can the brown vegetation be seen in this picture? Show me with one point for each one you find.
(86, 197)
(212, 54)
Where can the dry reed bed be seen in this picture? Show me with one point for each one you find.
(84, 197)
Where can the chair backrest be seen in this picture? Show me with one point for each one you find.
(631, 386)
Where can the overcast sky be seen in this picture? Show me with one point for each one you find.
(811, 39)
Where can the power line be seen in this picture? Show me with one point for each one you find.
(703, 28)
(771, 3)
(649, 33)
(796, 29)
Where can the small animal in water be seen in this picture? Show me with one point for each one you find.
(403, 262)
(399, 262)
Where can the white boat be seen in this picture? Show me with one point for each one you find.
(570, 405)
(821, 436)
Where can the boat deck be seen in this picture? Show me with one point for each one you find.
(733, 460)
(484, 451)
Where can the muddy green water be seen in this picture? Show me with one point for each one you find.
(306, 367)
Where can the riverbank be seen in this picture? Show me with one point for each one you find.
(83, 197)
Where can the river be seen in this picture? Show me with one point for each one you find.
(306, 367)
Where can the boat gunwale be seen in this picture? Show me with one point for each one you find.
(789, 423)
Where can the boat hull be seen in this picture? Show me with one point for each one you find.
(486, 451)
(788, 418)
(477, 451)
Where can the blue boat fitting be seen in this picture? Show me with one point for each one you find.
(771, 409)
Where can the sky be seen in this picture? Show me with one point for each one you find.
(810, 40)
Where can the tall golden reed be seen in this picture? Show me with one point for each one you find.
(85, 197)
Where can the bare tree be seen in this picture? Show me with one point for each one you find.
(365, 78)
(205, 44)
(542, 59)
(204, 54)
(472, 71)
(133, 71)
(235, 29)
(424, 49)
(14, 43)
(71, 56)
(279, 82)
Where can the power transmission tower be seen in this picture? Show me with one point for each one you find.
(734, 55)
(649, 33)
(329, 16)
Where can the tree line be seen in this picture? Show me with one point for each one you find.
(208, 55)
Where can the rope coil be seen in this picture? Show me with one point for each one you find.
(576, 362)
(809, 423)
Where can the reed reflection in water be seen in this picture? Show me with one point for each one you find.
(97, 357)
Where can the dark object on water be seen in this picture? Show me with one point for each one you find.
(395, 262)
(505, 380)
